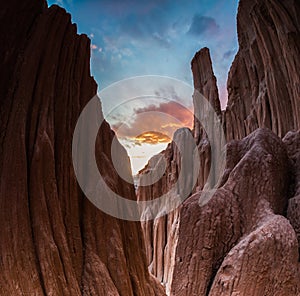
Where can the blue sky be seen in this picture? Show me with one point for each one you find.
(158, 37)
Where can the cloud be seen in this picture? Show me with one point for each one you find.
(121, 7)
(162, 41)
(63, 3)
(154, 124)
(229, 54)
(203, 24)
(173, 109)
(143, 31)
(153, 138)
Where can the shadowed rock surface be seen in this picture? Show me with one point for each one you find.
(53, 241)
(240, 243)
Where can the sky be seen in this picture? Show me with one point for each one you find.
(159, 37)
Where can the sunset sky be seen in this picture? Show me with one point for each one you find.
(158, 37)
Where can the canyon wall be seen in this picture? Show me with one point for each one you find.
(53, 241)
(240, 242)
(244, 241)
(263, 83)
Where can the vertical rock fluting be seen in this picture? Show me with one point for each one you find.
(53, 241)
(205, 85)
(240, 243)
(161, 235)
(292, 142)
(263, 82)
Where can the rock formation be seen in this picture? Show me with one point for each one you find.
(53, 240)
(292, 143)
(244, 241)
(240, 243)
(263, 83)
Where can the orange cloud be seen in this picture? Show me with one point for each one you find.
(172, 108)
(153, 138)
(93, 46)
(155, 123)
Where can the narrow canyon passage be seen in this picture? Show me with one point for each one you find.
(243, 240)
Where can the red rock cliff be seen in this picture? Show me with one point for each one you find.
(53, 241)
(264, 83)
(240, 243)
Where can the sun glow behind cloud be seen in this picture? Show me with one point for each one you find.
(152, 138)
(150, 129)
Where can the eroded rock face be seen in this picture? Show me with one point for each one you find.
(53, 240)
(264, 83)
(239, 243)
(235, 244)
(292, 142)
(160, 234)
(205, 83)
